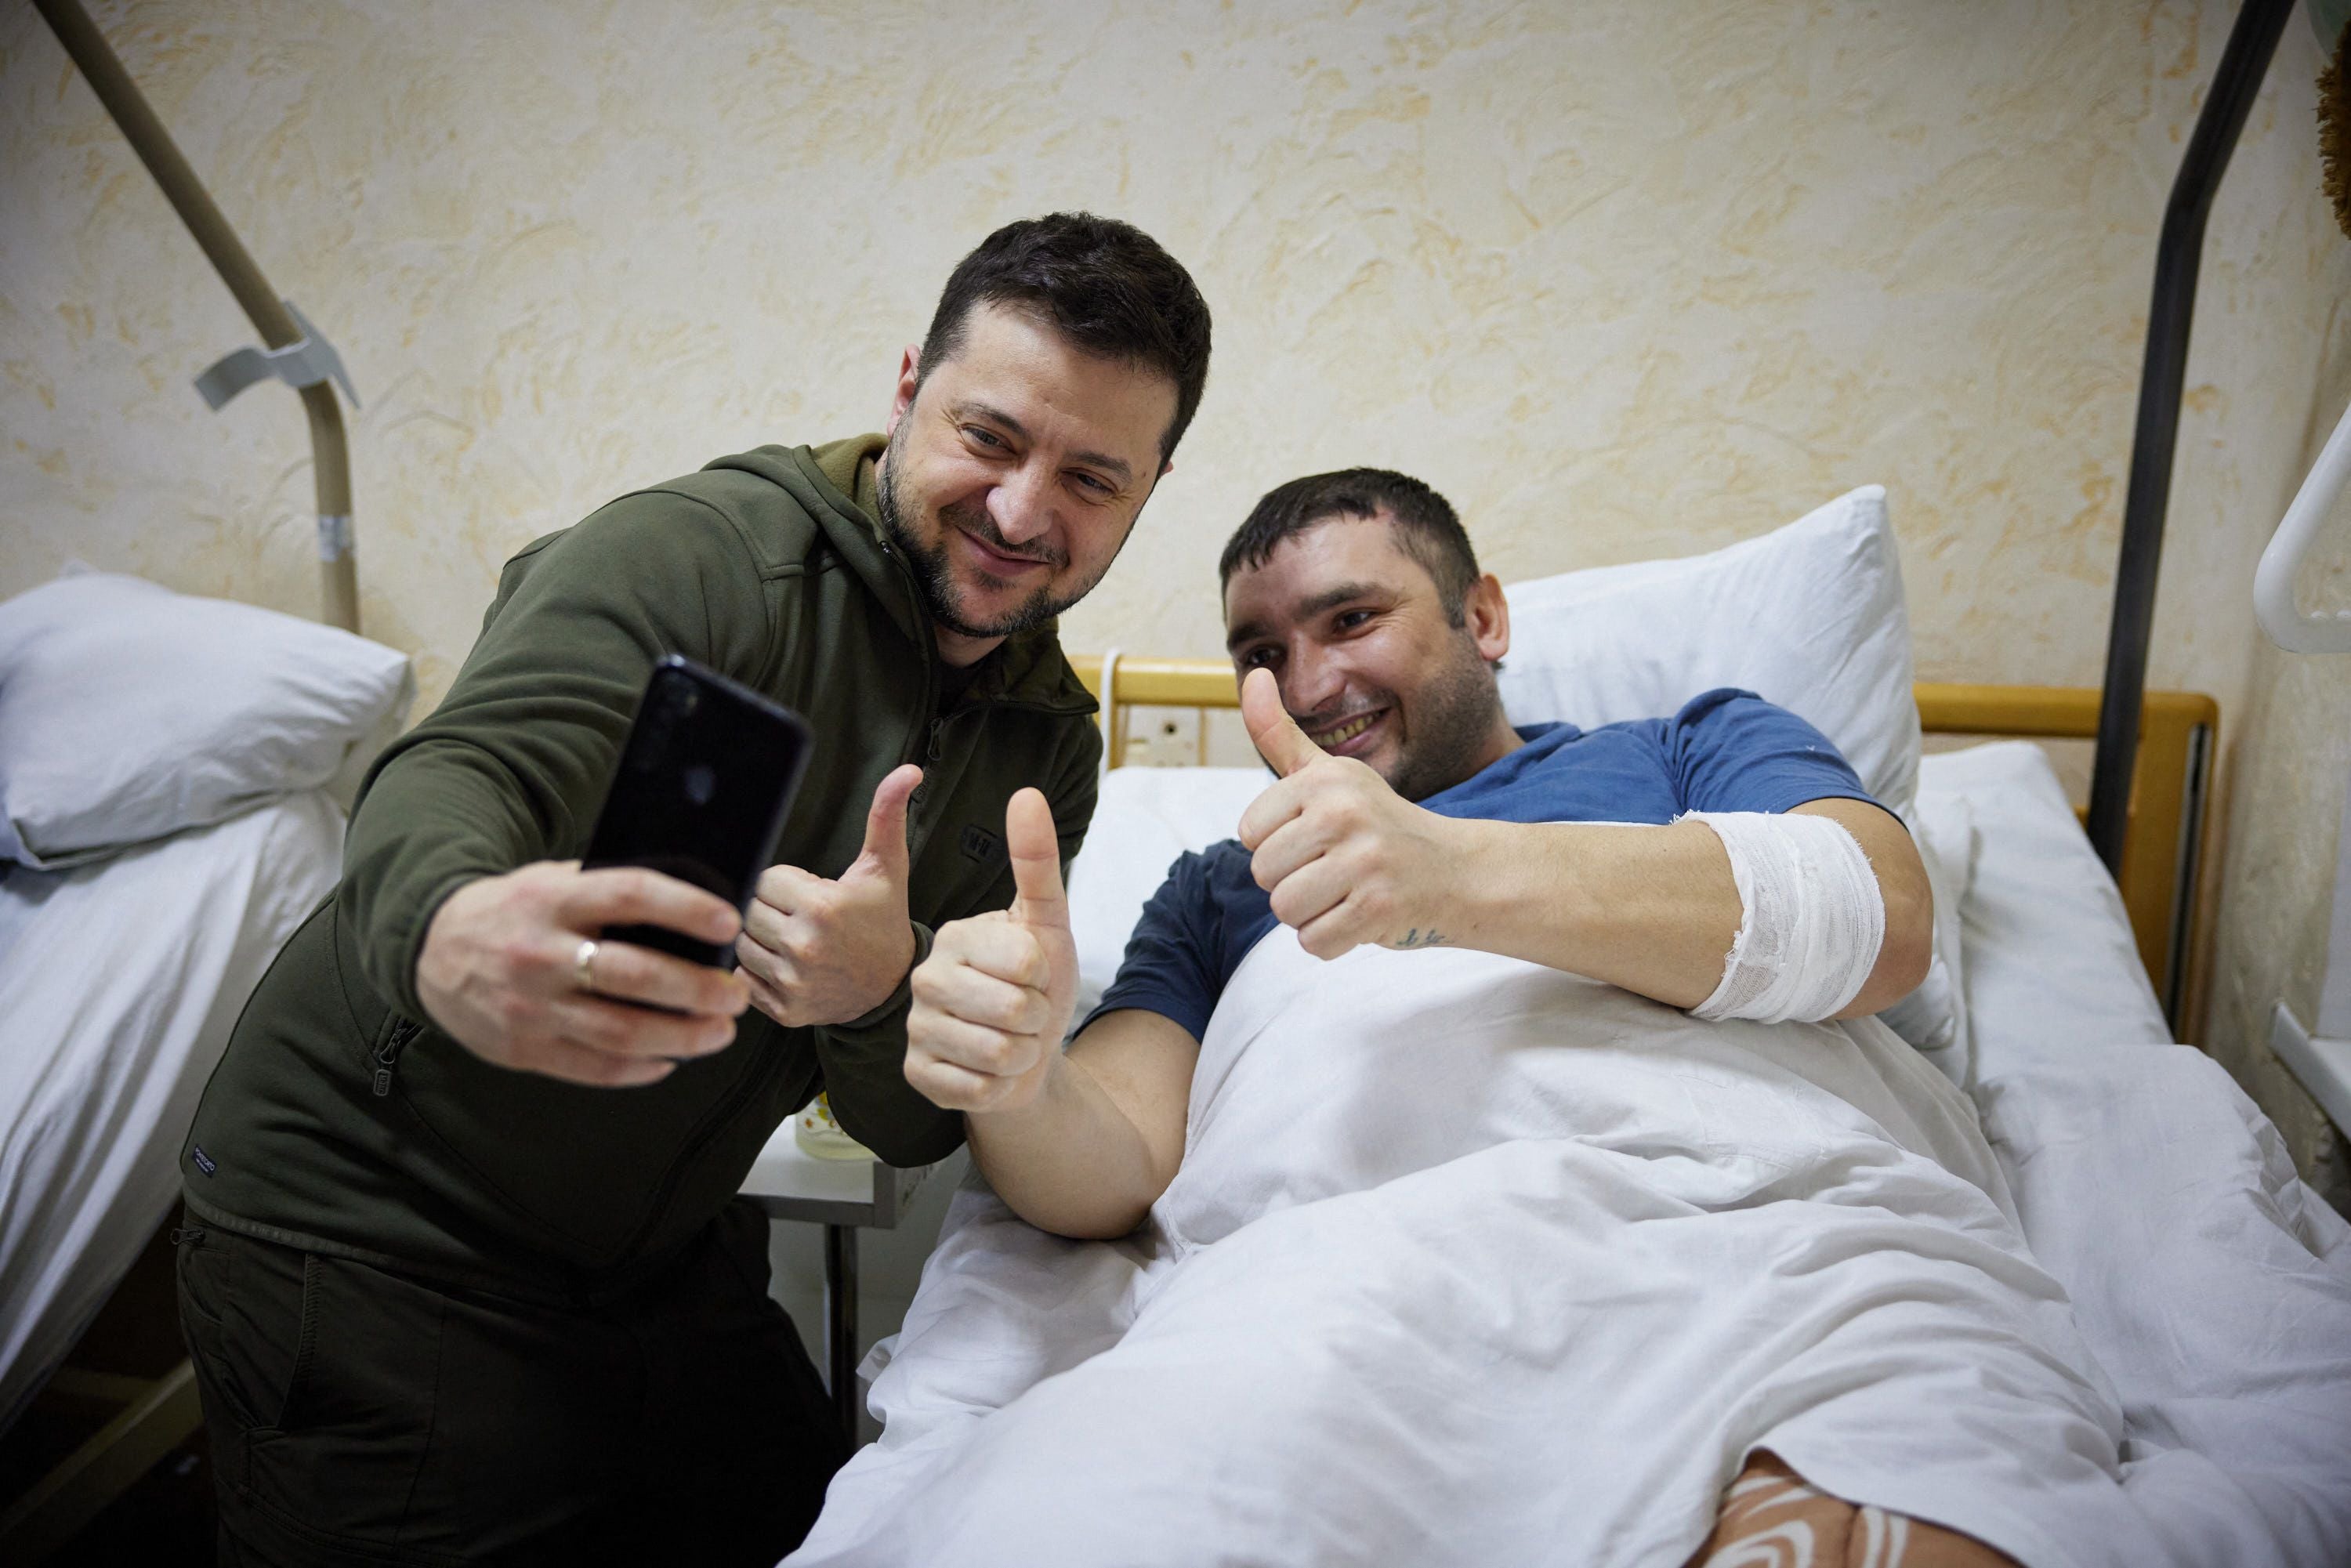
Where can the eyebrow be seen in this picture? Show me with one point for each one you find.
(1306, 609)
(1102, 460)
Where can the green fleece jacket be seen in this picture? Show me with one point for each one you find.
(342, 1121)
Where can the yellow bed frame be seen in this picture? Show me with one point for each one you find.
(2170, 780)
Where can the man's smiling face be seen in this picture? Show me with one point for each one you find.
(1368, 660)
(1015, 473)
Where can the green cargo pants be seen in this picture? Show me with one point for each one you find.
(361, 1417)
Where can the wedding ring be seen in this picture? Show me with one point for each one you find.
(583, 964)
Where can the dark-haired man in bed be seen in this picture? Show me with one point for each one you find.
(1724, 859)
(1409, 813)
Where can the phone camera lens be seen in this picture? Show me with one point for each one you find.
(701, 783)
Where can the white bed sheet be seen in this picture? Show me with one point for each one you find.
(1536, 1309)
(2211, 1287)
(2212, 1284)
(119, 984)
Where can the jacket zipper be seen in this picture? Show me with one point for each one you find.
(387, 1055)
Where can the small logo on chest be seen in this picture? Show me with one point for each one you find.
(980, 845)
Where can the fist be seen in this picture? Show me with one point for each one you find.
(819, 950)
(1346, 858)
(994, 998)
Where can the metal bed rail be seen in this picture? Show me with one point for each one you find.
(271, 316)
(2179, 256)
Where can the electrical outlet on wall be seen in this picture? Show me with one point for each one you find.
(1165, 738)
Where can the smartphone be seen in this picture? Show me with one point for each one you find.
(706, 775)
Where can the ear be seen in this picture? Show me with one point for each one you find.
(902, 397)
(1486, 613)
(1167, 467)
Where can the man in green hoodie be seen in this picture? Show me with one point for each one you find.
(462, 1272)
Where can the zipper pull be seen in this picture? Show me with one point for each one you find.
(937, 751)
(387, 1056)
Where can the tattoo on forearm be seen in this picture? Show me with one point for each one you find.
(1416, 937)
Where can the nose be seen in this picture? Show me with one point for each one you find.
(1021, 505)
(1312, 679)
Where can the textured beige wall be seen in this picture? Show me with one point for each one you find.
(1624, 278)
(2287, 749)
(2292, 764)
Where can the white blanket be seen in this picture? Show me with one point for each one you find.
(2214, 1286)
(1472, 1261)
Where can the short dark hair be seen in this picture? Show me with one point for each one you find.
(1105, 285)
(1425, 526)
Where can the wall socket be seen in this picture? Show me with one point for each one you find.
(1161, 737)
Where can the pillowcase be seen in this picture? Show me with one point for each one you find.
(1934, 1018)
(1145, 819)
(128, 712)
(1810, 616)
(2052, 958)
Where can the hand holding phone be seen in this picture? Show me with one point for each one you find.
(500, 973)
(613, 972)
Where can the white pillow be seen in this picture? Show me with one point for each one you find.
(2053, 961)
(1146, 818)
(1810, 616)
(128, 712)
(1934, 1018)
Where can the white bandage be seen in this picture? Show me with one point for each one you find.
(1812, 918)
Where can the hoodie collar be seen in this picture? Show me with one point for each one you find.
(1026, 669)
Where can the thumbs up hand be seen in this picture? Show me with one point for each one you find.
(824, 951)
(1347, 860)
(994, 998)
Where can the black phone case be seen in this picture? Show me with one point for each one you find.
(705, 778)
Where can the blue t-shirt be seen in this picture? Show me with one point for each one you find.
(1726, 751)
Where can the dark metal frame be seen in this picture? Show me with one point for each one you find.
(893, 1192)
(2178, 258)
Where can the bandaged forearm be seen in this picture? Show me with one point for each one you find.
(1810, 923)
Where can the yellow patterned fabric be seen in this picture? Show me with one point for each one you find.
(1771, 1519)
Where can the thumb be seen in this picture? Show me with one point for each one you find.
(1036, 849)
(886, 824)
(1279, 739)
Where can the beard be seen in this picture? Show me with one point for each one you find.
(934, 573)
(1452, 715)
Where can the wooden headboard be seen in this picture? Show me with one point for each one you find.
(2171, 778)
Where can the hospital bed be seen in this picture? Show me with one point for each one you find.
(173, 770)
(112, 1024)
(2207, 1281)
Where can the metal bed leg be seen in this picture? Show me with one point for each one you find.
(102, 1469)
(840, 1325)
